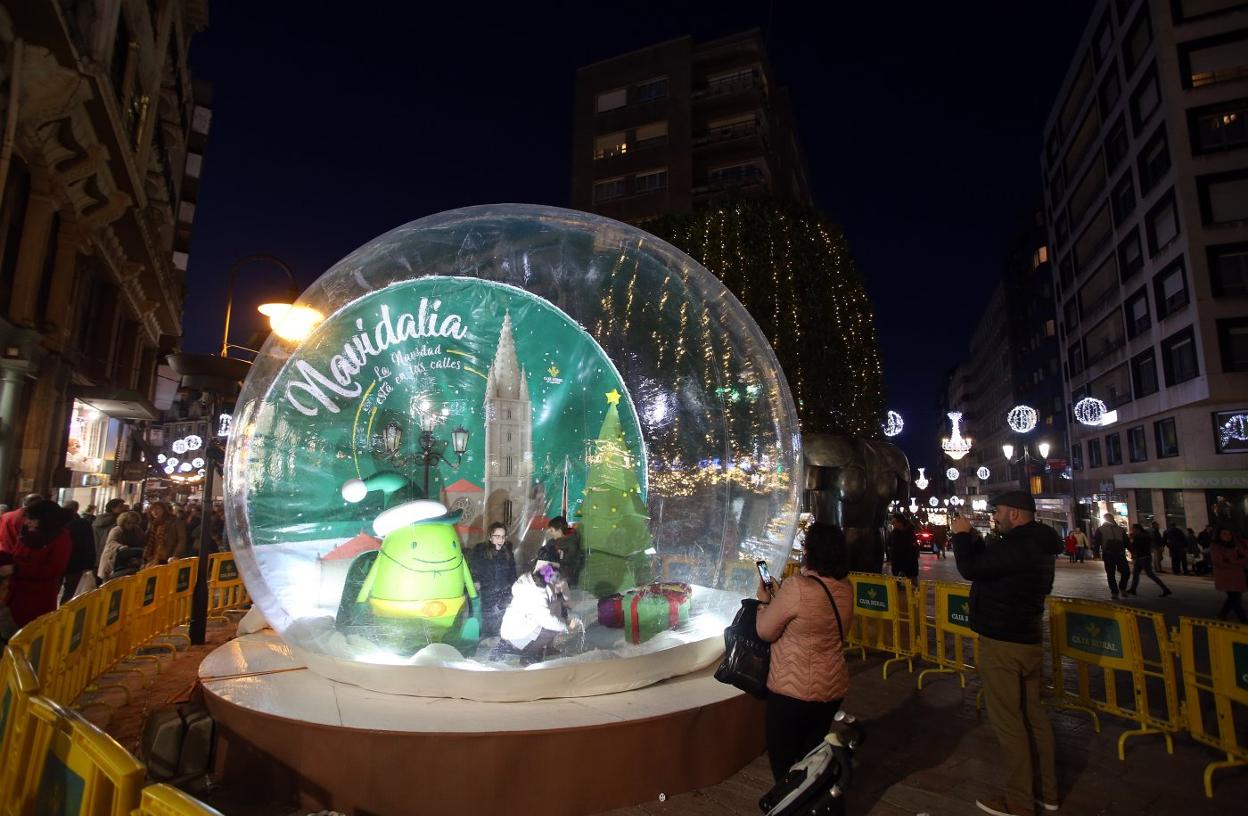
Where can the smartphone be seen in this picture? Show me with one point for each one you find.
(764, 573)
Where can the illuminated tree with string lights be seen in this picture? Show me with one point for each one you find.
(793, 271)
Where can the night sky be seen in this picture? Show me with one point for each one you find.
(923, 140)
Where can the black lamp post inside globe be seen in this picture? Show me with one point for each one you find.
(431, 447)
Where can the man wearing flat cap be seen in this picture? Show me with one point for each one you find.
(1009, 582)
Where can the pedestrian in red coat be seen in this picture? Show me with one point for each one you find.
(39, 557)
(12, 521)
(1229, 555)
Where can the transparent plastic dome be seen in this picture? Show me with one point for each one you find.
(512, 364)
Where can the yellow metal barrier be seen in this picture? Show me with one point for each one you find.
(74, 768)
(18, 684)
(35, 642)
(144, 612)
(111, 642)
(69, 668)
(175, 608)
(225, 585)
(1215, 678)
(946, 639)
(1086, 635)
(884, 615)
(164, 800)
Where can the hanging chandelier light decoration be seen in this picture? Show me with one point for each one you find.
(1022, 418)
(933, 501)
(956, 446)
(952, 474)
(983, 473)
(893, 424)
(921, 482)
(1090, 411)
(914, 505)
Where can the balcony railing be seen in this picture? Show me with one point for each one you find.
(727, 133)
(729, 85)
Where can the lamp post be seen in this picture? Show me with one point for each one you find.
(430, 450)
(288, 321)
(1025, 459)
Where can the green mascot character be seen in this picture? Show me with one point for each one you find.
(417, 587)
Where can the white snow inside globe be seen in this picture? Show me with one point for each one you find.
(510, 447)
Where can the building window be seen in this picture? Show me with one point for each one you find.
(12, 219)
(652, 89)
(1136, 42)
(1130, 256)
(1170, 289)
(1228, 269)
(612, 144)
(1113, 449)
(1076, 456)
(1138, 318)
(1137, 447)
(610, 100)
(608, 189)
(1230, 431)
(1233, 341)
(1154, 160)
(1144, 373)
(1224, 197)
(1214, 128)
(1076, 358)
(1144, 505)
(1094, 453)
(1167, 438)
(1103, 42)
(1215, 59)
(1117, 145)
(1145, 101)
(1178, 357)
(651, 135)
(1162, 223)
(1110, 93)
(735, 173)
(1123, 199)
(651, 181)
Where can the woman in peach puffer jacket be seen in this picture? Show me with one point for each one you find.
(808, 677)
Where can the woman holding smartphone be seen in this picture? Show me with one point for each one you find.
(805, 619)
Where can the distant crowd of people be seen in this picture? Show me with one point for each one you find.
(50, 553)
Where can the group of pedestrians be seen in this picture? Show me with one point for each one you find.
(50, 552)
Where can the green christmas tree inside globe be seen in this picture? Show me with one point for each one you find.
(615, 527)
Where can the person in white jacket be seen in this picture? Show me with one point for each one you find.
(537, 613)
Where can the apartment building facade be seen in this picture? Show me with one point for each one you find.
(104, 133)
(672, 126)
(1145, 174)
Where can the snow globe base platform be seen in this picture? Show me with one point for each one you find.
(356, 750)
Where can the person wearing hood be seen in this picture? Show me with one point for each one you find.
(39, 558)
(537, 613)
(1009, 583)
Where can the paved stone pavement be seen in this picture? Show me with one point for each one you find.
(931, 752)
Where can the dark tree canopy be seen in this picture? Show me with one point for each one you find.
(793, 271)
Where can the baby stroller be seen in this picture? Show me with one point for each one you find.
(816, 784)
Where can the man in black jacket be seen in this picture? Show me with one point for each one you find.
(1009, 582)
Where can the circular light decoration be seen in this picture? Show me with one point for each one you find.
(198, 462)
(179, 446)
(956, 446)
(193, 442)
(169, 469)
(893, 424)
(160, 458)
(1235, 429)
(921, 482)
(172, 461)
(982, 473)
(1090, 411)
(952, 474)
(201, 472)
(933, 502)
(1022, 418)
(185, 467)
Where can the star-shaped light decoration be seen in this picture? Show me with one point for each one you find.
(613, 397)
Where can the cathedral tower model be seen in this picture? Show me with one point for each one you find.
(508, 437)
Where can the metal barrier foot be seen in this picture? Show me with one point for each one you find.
(1229, 762)
(909, 662)
(926, 672)
(1096, 718)
(1141, 732)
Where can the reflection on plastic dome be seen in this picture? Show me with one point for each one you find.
(399, 481)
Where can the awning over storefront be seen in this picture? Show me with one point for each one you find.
(118, 403)
(1184, 479)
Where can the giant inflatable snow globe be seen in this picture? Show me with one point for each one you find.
(528, 452)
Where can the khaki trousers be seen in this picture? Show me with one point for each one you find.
(1011, 675)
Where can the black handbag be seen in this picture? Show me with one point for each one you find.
(747, 657)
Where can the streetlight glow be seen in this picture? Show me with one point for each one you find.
(293, 323)
(1008, 450)
(1043, 447)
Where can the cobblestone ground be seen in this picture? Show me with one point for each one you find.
(927, 752)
